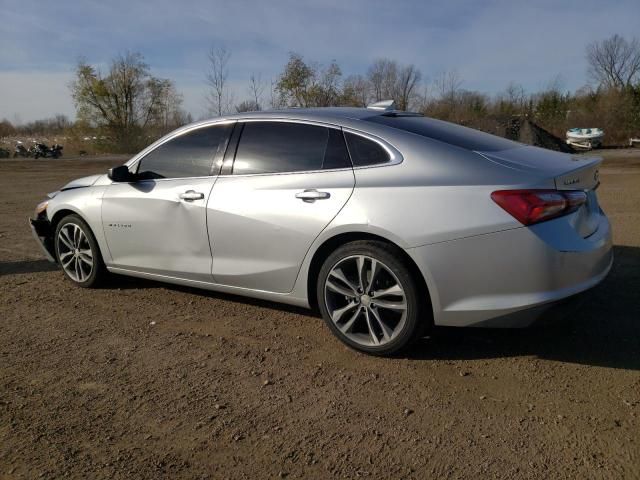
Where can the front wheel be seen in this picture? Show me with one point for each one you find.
(370, 299)
(78, 253)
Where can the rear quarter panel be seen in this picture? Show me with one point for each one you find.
(438, 193)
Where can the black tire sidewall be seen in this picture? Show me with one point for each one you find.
(98, 267)
(387, 254)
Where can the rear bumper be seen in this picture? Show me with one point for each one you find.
(41, 231)
(513, 277)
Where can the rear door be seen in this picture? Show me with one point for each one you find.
(157, 224)
(287, 182)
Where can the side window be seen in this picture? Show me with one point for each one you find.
(276, 147)
(364, 151)
(336, 155)
(188, 155)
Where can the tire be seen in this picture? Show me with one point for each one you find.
(368, 326)
(78, 253)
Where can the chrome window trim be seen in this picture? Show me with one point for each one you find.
(298, 172)
(394, 154)
(316, 123)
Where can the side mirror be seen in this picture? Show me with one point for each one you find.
(120, 174)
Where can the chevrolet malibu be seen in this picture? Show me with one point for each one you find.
(387, 222)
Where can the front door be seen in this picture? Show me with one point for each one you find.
(157, 224)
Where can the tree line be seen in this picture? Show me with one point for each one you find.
(131, 107)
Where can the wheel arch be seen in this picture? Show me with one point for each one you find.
(61, 213)
(332, 243)
(65, 211)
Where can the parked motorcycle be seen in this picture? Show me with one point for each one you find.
(21, 151)
(56, 150)
(42, 150)
(4, 153)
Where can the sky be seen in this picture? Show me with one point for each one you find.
(489, 43)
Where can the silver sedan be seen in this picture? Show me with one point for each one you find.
(387, 222)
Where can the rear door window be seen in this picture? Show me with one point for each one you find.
(279, 147)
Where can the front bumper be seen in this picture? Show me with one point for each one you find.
(512, 277)
(41, 231)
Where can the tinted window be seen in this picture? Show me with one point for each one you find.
(273, 147)
(336, 155)
(450, 133)
(364, 151)
(189, 155)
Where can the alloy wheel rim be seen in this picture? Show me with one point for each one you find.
(74, 251)
(365, 300)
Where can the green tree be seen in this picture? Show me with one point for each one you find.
(127, 102)
(309, 85)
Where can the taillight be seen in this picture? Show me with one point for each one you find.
(534, 206)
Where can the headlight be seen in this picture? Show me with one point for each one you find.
(41, 208)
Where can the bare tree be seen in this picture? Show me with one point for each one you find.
(614, 62)
(513, 100)
(6, 128)
(382, 75)
(515, 94)
(392, 81)
(356, 91)
(217, 74)
(424, 98)
(256, 88)
(448, 86)
(408, 79)
(275, 98)
(326, 85)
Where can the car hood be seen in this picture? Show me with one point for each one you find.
(81, 182)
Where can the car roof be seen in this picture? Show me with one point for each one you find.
(337, 115)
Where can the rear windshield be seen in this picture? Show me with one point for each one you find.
(450, 133)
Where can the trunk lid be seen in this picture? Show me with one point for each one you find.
(569, 172)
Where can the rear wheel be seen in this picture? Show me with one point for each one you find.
(78, 253)
(369, 298)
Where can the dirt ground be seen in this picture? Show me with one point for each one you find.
(224, 387)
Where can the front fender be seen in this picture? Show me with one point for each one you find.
(87, 204)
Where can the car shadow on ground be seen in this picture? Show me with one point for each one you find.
(603, 331)
(26, 266)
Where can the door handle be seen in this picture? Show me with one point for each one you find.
(312, 195)
(191, 195)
